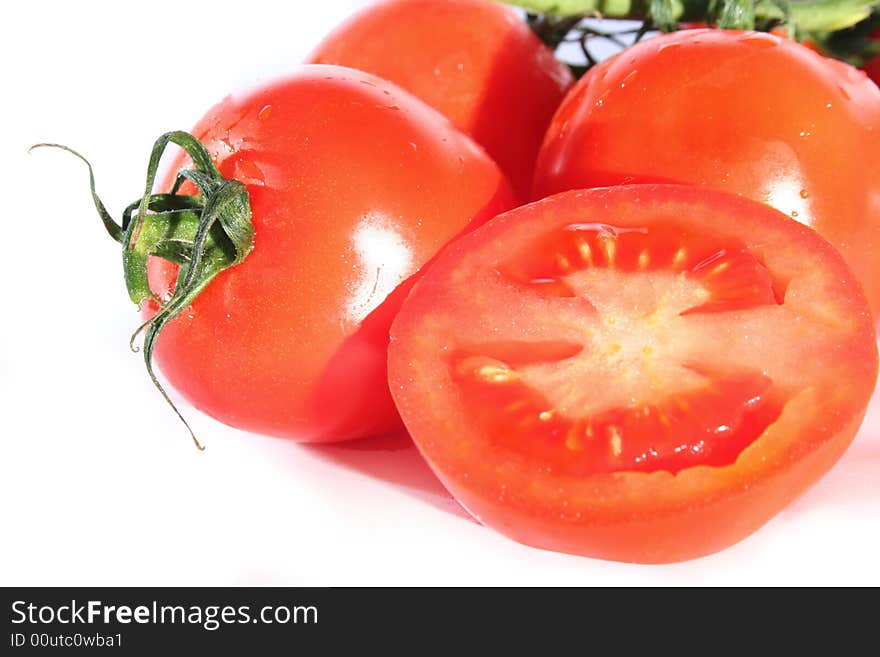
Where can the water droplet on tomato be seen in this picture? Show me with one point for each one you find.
(628, 79)
(667, 46)
(264, 113)
(843, 92)
(804, 193)
(794, 214)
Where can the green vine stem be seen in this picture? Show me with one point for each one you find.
(840, 27)
(810, 15)
(203, 233)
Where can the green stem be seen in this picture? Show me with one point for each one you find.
(807, 15)
(203, 234)
(842, 29)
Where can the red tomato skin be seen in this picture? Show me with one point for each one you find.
(638, 517)
(475, 61)
(354, 186)
(748, 113)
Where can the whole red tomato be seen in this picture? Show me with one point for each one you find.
(354, 185)
(475, 61)
(748, 113)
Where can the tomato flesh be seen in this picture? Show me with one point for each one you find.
(708, 425)
(580, 362)
(710, 421)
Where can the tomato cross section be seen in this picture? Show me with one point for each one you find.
(641, 373)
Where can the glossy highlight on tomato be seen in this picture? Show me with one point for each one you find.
(349, 180)
(642, 373)
(743, 112)
(475, 61)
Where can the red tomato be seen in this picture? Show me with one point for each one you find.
(475, 61)
(747, 113)
(349, 180)
(642, 373)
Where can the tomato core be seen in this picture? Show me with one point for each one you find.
(639, 291)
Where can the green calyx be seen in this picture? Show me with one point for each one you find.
(203, 234)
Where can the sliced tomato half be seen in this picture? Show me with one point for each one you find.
(641, 373)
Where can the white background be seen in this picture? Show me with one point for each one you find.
(99, 484)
